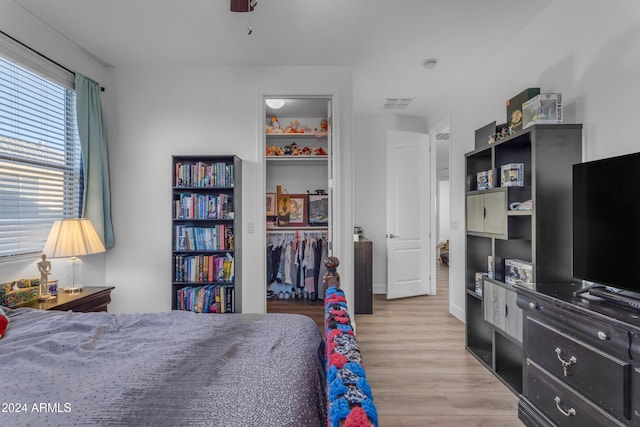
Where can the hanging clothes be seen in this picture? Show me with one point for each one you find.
(309, 277)
(323, 269)
(295, 265)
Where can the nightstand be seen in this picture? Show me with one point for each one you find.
(92, 298)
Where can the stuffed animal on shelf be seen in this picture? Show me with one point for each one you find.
(275, 124)
(274, 151)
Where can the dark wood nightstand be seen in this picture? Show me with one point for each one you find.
(92, 298)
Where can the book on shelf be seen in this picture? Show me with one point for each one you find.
(203, 174)
(207, 299)
(215, 238)
(203, 206)
(204, 268)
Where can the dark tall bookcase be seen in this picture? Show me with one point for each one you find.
(540, 236)
(206, 231)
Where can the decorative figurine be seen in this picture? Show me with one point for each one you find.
(44, 267)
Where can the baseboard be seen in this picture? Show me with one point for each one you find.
(456, 311)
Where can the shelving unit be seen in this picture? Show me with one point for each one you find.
(302, 173)
(206, 233)
(299, 173)
(541, 236)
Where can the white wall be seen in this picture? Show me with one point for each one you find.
(155, 112)
(587, 50)
(24, 27)
(369, 169)
(444, 212)
(166, 111)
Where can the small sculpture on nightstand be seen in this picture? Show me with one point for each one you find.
(44, 267)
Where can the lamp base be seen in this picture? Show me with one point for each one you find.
(73, 290)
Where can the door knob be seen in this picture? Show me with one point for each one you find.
(392, 236)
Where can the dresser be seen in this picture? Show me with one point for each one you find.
(92, 298)
(581, 359)
(363, 276)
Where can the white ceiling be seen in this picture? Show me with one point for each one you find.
(384, 41)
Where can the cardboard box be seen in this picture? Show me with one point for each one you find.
(518, 272)
(490, 267)
(481, 180)
(512, 175)
(545, 108)
(479, 282)
(514, 107)
(485, 134)
(492, 178)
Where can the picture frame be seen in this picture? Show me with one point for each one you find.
(298, 210)
(318, 209)
(271, 204)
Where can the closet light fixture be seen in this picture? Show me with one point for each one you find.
(275, 103)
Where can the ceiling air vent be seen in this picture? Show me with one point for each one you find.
(397, 103)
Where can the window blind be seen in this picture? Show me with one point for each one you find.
(40, 159)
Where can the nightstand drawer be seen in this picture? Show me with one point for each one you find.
(602, 378)
(562, 405)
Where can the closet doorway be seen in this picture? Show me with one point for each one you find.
(299, 147)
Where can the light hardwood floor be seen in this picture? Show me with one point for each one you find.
(419, 371)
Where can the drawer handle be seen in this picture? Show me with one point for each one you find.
(565, 364)
(571, 412)
(533, 306)
(603, 335)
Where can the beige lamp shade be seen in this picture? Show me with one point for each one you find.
(72, 238)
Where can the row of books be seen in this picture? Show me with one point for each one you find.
(204, 206)
(204, 268)
(216, 238)
(207, 299)
(204, 174)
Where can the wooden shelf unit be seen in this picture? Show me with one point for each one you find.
(541, 236)
(204, 224)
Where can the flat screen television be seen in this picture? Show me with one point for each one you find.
(606, 223)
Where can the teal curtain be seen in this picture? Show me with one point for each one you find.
(97, 196)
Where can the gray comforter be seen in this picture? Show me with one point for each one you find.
(161, 369)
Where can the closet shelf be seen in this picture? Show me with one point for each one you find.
(295, 158)
(297, 135)
(303, 228)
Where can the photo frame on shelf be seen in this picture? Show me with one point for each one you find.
(318, 209)
(271, 204)
(298, 210)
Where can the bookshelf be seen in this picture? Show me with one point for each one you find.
(540, 236)
(206, 229)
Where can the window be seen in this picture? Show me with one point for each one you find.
(40, 159)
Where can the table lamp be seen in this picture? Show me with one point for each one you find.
(73, 238)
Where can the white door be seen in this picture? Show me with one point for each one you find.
(408, 214)
(331, 167)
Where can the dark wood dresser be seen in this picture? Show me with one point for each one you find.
(363, 276)
(92, 298)
(581, 359)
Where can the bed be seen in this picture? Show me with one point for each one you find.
(162, 369)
